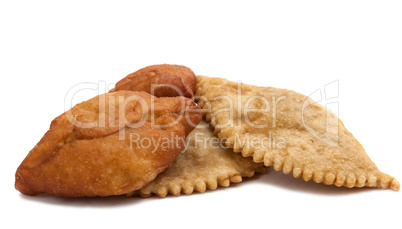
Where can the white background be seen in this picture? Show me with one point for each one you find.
(46, 48)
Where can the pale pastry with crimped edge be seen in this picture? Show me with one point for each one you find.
(205, 164)
(289, 131)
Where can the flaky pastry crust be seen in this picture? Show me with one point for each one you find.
(109, 145)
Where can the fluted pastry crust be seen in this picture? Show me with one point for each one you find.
(205, 164)
(301, 136)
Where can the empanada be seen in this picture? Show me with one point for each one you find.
(289, 131)
(109, 145)
(163, 80)
(206, 163)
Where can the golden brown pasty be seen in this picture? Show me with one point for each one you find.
(112, 144)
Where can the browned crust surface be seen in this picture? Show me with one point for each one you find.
(82, 156)
(164, 80)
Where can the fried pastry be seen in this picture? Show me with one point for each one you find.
(109, 145)
(289, 131)
(206, 163)
(164, 80)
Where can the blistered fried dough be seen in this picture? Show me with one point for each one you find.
(289, 131)
(206, 163)
(164, 80)
(109, 145)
